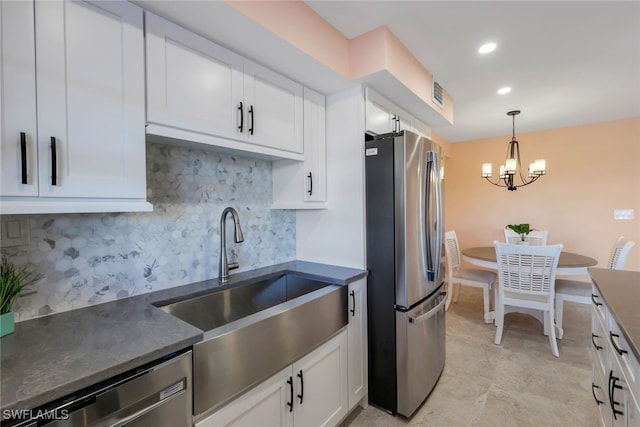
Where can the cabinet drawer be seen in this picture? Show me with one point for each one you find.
(600, 396)
(600, 346)
(597, 303)
(621, 351)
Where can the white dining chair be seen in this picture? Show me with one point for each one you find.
(526, 277)
(580, 291)
(535, 237)
(457, 275)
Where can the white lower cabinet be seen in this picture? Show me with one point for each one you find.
(357, 347)
(311, 392)
(615, 384)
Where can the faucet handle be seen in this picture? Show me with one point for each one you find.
(233, 265)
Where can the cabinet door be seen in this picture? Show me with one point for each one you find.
(315, 152)
(90, 88)
(266, 405)
(18, 100)
(357, 341)
(320, 378)
(192, 83)
(378, 119)
(272, 109)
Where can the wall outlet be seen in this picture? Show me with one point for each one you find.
(623, 214)
(14, 230)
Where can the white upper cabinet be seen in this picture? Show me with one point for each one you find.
(89, 140)
(192, 84)
(19, 144)
(198, 91)
(303, 185)
(382, 116)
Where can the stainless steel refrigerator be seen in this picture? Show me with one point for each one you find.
(406, 320)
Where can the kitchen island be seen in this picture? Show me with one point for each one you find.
(50, 357)
(615, 339)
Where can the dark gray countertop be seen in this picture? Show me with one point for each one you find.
(49, 357)
(620, 290)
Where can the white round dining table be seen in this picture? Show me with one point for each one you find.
(568, 264)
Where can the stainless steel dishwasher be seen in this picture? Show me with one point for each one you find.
(157, 395)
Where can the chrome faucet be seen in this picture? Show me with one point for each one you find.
(224, 266)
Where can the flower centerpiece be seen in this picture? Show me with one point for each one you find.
(521, 229)
(13, 280)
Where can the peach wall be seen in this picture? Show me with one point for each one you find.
(302, 27)
(591, 170)
(379, 49)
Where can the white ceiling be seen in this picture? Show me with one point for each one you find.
(568, 63)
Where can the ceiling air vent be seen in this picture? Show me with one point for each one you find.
(438, 94)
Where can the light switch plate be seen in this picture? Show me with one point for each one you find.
(14, 230)
(623, 214)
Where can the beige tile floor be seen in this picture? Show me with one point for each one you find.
(518, 383)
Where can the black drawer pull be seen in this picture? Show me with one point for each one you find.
(23, 156)
(301, 395)
(593, 390)
(252, 120)
(597, 347)
(54, 162)
(353, 310)
(310, 190)
(613, 343)
(290, 403)
(241, 127)
(593, 298)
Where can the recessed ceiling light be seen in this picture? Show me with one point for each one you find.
(504, 90)
(487, 47)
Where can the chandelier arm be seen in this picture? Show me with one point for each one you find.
(497, 183)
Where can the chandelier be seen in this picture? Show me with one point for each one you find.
(511, 169)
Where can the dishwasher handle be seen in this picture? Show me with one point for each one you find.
(429, 314)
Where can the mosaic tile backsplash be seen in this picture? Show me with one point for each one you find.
(94, 258)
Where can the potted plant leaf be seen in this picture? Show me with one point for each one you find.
(13, 280)
(521, 229)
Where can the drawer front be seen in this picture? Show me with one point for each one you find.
(621, 351)
(598, 305)
(600, 395)
(600, 346)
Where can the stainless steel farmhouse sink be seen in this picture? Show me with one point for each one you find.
(253, 330)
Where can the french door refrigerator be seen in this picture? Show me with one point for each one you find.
(406, 320)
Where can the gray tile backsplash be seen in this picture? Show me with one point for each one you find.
(93, 258)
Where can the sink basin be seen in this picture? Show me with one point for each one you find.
(216, 309)
(254, 330)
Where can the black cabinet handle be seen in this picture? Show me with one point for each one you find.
(613, 380)
(353, 310)
(613, 343)
(597, 347)
(290, 403)
(593, 390)
(252, 120)
(593, 298)
(54, 162)
(310, 190)
(23, 156)
(301, 395)
(241, 127)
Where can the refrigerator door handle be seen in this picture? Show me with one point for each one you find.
(433, 244)
(429, 314)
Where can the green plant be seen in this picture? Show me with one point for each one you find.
(521, 229)
(13, 280)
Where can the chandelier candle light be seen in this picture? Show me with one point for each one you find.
(512, 166)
